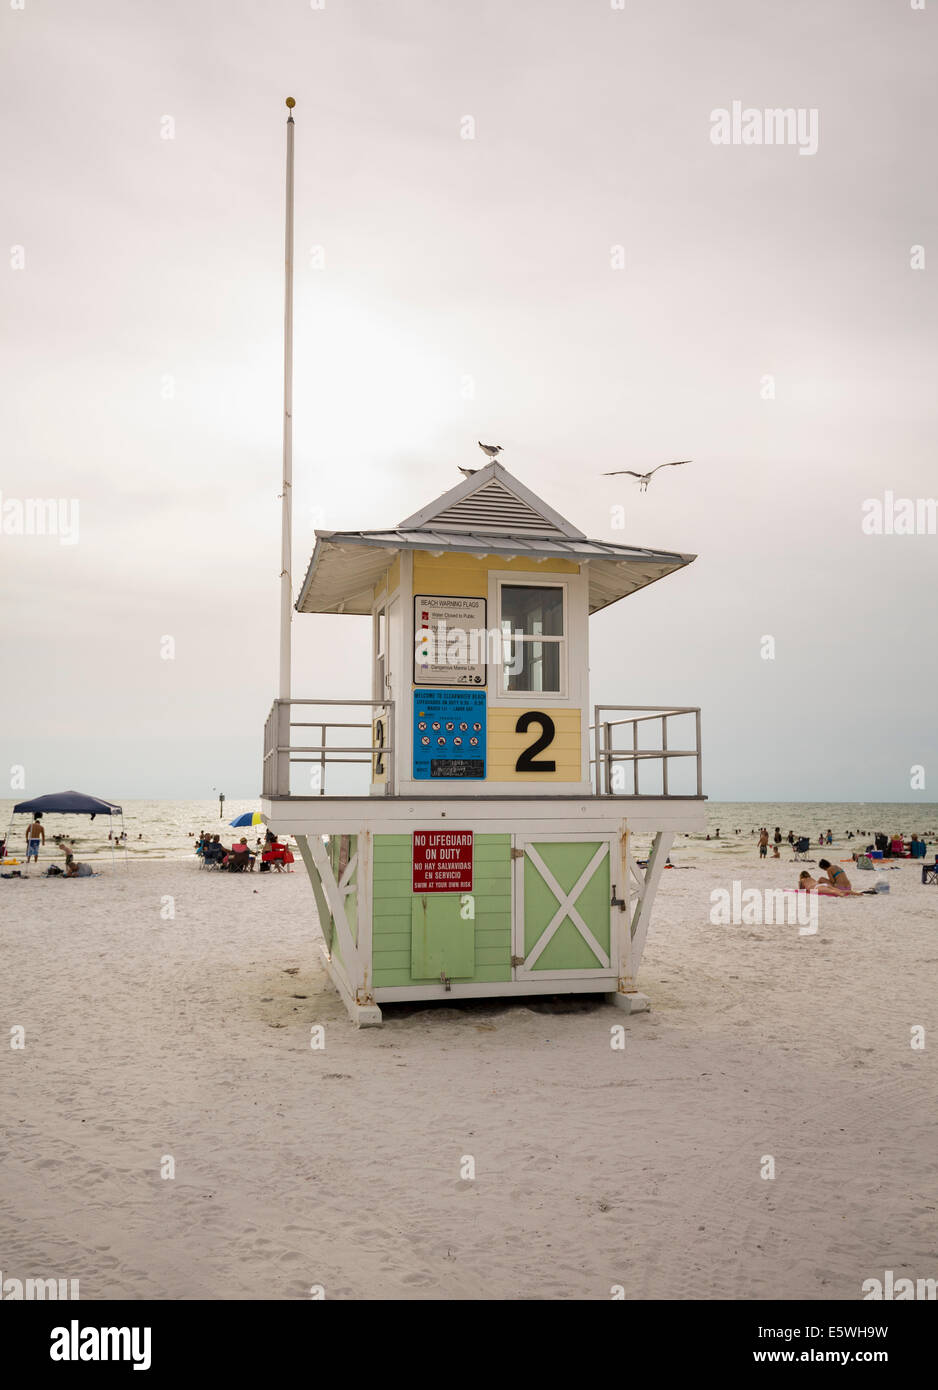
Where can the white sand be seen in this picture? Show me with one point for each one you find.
(340, 1168)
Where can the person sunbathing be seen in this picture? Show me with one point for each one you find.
(821, 886)
(835, 876)
(824, 888)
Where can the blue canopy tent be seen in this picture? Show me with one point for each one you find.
(70, 803)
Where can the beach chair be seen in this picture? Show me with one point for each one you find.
(930, 872)
(275, 856)
(800, 850)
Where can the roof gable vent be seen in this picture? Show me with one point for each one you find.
(494, 508)
(492, 500)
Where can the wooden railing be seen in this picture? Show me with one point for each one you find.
(619, 749)
(611, 753)
(280, 751)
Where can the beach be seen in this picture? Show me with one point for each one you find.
(169, 1013)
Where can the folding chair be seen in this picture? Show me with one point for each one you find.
(800, 848)
(930, 872)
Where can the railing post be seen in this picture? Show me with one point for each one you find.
(392, 756)
(664, 760)
(607, 757)
(322, 760)
(635, 759)
(281, 757)
(699, 767)
(597, 775)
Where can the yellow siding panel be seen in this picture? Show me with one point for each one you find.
(505, 746)
(468, 575)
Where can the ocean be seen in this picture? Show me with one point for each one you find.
(167, 829)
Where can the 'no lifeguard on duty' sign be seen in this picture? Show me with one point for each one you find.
(442, 861)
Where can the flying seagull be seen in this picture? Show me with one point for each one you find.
(493, 450)
(645, 478)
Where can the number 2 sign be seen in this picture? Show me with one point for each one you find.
(528, 760)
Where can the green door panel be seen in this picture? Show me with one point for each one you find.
(441, 938)
(567, 949)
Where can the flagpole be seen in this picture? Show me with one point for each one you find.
(286, 525)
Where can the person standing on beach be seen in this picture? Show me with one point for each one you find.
(35, 832)
(777, 837)
(763, 842)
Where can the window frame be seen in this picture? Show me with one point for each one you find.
(528, 580)
(379, 658)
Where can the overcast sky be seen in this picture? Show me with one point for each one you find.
(467, 288)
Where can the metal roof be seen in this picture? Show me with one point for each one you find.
(489, 513)
(346, 565)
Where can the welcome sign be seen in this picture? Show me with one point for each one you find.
(449, 733)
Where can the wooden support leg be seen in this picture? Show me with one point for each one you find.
(344, 971)
(660, 849)
(627, 996)
(322, 907)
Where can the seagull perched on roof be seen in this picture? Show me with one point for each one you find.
(467, 472)
(645, 478)
(493, 450)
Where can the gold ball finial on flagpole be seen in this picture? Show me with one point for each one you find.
(291, 103)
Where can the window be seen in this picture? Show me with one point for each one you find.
(532, 621)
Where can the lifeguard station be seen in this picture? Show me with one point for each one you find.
(490, 849)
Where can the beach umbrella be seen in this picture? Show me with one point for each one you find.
(249, 818)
